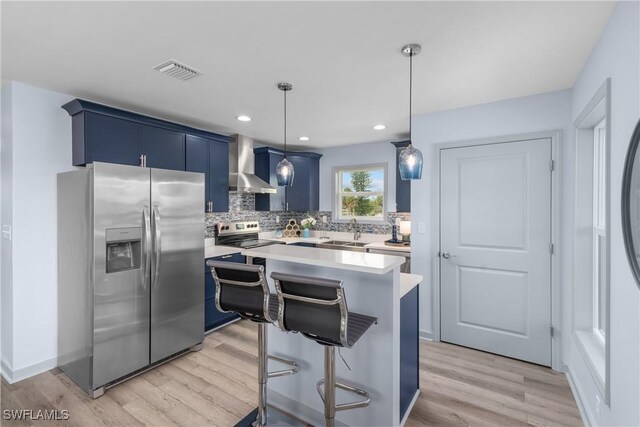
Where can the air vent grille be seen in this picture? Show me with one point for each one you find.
(176, 69)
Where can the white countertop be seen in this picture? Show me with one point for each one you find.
(381, 245)
(211, 250)
(408, 282)
(343, 237)
(346, 260)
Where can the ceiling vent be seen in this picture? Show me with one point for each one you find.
(175, 69)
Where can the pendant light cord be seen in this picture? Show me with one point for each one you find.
(285, 124)
(410, 89)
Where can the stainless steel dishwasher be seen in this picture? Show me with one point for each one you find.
(404, 268)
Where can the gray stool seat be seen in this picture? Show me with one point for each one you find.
(317, 309)
(358, 325)
(273, 307)
(243, 289)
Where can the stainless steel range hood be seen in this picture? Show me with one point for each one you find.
(242, 178)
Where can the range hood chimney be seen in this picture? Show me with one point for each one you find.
(242, 178)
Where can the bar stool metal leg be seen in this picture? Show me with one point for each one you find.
(329, 385)
(262, 375)
(327, 389)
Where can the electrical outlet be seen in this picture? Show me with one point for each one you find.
(422, 228)
(324, 219)
(598, 406)
(6, 232)
(277, 219)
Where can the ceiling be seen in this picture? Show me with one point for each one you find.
(343, 59)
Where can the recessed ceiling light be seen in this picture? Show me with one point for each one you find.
(243, 118)
(304, 138)
(379, 127)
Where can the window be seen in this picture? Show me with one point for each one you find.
(360, 192)
(599, 230)
(591, 242)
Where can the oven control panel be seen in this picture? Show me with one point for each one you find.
(238, 227)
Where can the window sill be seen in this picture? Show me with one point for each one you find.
(593, 351)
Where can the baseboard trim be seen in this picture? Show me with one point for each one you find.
(410, 408)
(425, 335)
(14, 375)
(584, 414)
(6, 371)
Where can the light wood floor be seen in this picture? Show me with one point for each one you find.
(217, 386)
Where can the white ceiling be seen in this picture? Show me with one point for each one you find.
(343, 59)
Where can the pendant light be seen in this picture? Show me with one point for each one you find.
(410, 159)
(284, 170)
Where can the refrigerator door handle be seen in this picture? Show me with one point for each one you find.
(157, 246)
(146, 253)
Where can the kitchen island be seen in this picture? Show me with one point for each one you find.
(385, 360)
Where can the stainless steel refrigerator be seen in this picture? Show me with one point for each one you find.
(130, 275)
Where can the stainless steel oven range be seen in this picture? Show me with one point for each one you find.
(243, 235)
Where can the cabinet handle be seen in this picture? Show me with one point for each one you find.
(226, 256)
(141, 160)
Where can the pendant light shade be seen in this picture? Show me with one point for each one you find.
(410, 159)
(410, 163)
(285, 172)
(284, 169)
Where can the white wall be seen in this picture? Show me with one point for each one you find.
(38, 148)
(360, 154)
(616, 55)
(545, 112)
(6, 297)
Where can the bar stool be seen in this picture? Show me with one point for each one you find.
(243, 289)
(317, 309)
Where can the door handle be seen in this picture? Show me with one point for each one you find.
(157, 246)
(447, 255)
(146, 238)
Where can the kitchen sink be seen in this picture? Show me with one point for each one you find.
(344, 246)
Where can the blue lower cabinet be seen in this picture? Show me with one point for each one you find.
(214, 318)
(409, 348)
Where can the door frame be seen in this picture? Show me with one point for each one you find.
(556, 289)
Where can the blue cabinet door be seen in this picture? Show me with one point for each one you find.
(109, 139)
(164, 148)
(219, 175)
(403, 188)
(409, 349)
(298, 193)
(197, 160)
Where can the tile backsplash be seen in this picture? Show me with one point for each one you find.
(242, 208)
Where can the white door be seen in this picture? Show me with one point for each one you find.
(495, 260)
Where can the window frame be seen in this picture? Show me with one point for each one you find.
(337, 195)
(592, 346)
(600, 221)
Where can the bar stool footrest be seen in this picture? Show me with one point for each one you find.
(294, 367)
(346, 406)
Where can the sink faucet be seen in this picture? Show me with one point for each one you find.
(354, 224)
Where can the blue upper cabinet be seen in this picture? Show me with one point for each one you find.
(403, 188)
(164, 148)
(303, 195)
(211, 158)
(266, 160)
(106, 139)
(197, 160)
(106, 134)
(219, 176)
